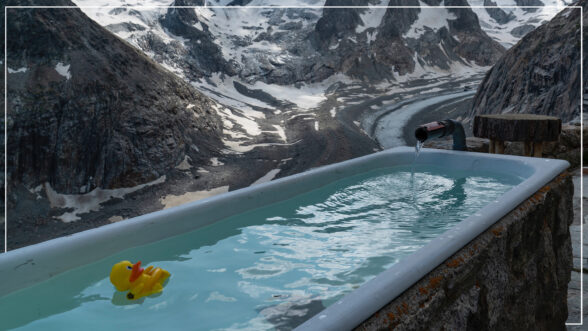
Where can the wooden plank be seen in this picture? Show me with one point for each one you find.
(517, 127)
(538, 149)
(499, 148)
(528, 148)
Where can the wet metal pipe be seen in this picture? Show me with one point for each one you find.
(442, 129)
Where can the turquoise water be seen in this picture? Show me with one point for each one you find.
(270, 268)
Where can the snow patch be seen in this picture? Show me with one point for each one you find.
(502, 32)
(215, 162)
(236, 147)
(106, 16)
(12, 71)
(281, 133)
(63, 70)
(232, 117)
(115, 219)
(433, 18)
(85, 203)
(170, 201)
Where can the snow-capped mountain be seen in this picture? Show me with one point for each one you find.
(509, 23)
(266, 67)
(303, 45)
(247, 49)
(375, 45)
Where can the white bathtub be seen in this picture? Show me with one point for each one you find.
(26, 266)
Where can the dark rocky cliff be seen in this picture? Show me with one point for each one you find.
(497, 13)
(87, 110)
(202, 56)
(473, 43)
(540, 74)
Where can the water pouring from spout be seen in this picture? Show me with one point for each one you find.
(440, 129)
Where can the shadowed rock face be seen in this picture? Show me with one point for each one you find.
(87, 110)
(202, 56)
(498, 14)
(539, 75)
(338, 22)
(474, 44)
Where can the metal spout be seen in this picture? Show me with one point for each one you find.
(440, 129)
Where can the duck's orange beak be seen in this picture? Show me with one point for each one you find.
(136, 271)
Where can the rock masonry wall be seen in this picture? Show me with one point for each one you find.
(514, 276)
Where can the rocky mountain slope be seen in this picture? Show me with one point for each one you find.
(87, 110)
(539, 75)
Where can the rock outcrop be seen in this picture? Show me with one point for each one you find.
(499, 15)
(539, 75)
(201, 55)
(87, 110)
(473, 43)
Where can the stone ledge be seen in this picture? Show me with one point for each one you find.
(514, 276)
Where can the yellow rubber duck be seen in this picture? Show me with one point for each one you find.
(138, 281)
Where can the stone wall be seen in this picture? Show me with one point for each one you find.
(514, 276)
(566, 148)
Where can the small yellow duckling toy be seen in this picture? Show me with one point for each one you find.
(138, 281)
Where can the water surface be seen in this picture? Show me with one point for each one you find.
(272, 267)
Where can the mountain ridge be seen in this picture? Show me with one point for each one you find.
(540, 74)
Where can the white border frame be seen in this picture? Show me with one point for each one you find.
(315, 7)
